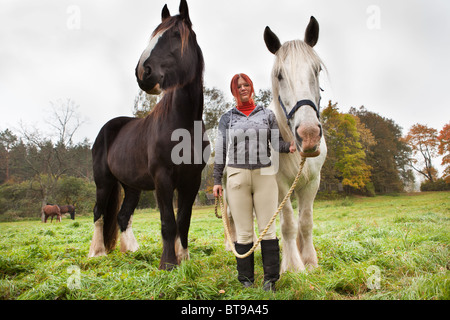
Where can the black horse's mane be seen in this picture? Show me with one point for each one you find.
(178, 23)
(188, 38)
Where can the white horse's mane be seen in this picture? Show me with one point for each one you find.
(296, 48)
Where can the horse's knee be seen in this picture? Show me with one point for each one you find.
(305, 224)
(288, 228)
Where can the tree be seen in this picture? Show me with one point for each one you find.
(75, 191)
(423, 142)
(43, 159)
(389, 155)
(34, 164)
(214, 107)
(264, 97)
(79, 160)
(65, 121)
(7, 142)
(346, 158)
(144, 104)
(444, 150)
(48, 161)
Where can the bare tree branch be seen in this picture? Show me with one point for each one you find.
(65, 120)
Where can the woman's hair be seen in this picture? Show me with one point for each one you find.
(234, 86)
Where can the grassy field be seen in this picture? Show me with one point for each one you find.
(386, 247)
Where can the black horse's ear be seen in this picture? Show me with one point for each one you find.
(271, 40)
(165, 13)
(312, 32)
(184, 12)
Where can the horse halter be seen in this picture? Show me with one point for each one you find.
(297, 106)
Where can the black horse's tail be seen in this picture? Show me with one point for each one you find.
(110, 225)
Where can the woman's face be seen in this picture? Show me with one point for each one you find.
(244, 90)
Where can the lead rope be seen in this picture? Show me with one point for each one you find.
(226, 222)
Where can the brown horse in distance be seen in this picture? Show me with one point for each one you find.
(51, 211)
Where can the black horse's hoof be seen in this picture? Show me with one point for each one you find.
(167, 266)
(269, 286)
(247, 284)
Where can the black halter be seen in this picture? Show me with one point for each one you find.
(297, 106)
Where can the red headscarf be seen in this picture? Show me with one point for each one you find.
(244, 107)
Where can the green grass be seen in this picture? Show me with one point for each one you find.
(401, 240)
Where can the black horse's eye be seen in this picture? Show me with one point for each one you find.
(280, 76)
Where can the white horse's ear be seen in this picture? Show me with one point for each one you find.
(312, 32)
(271, 40)
(165, 13)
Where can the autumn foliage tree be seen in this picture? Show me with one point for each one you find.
(424, 143)
(389, 156)
(444, 150)
(346, 158)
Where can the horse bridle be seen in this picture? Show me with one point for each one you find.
(297, 106)
(289, 115)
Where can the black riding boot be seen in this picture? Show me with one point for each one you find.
(270, 251)
(245, 267)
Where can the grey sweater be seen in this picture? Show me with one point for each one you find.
(244, 141)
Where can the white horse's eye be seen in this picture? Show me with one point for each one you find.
(318, 71)
(280, 76)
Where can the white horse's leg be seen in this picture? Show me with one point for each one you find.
(97, 245)
(291, 260)
(305, 224)
(128, 241)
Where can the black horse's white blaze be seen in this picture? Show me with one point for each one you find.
(147, 53)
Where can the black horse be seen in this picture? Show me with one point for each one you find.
(70, 209)
(145, 154)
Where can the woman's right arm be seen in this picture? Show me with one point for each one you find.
(220, 153)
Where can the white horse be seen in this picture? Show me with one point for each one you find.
(296, 92)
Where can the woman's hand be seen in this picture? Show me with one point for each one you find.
(292, 148)
(217, 190)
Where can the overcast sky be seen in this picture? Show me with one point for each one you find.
(390, 56)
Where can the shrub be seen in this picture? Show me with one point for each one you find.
(202, 198)
(438, 185)
(147, 200)
(24, 199)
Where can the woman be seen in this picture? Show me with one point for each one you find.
(245, 132)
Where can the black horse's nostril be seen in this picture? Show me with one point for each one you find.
(147, 71)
